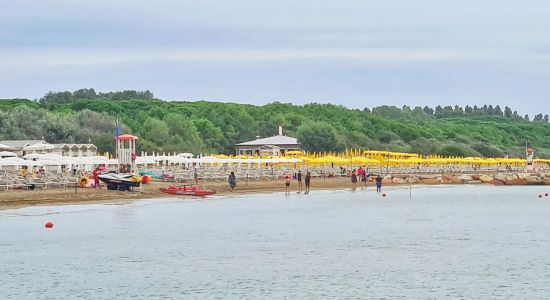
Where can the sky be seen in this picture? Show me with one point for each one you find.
(358, 53)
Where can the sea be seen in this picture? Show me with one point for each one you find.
(424, 242)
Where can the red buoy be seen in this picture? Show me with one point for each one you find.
(49, 225)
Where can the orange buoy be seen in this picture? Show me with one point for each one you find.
(49, 225)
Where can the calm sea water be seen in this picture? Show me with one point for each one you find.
(443, 242)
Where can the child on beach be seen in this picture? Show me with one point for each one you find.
(307, 181)
(299, 178)
(287, 186)
(378, 183)
(232, 180)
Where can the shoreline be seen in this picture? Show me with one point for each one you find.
(23, 198)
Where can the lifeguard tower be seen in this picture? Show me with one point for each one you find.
(126, 152)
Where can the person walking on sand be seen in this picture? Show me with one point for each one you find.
(287, 186)
(232, 180)
(299, 178)
(354, 180)
(378, 183)
(308, 182)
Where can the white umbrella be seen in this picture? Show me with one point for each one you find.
(7, 148)
(141, 160)
(33, 156)
(188, 155)
(162, 157)
(97, 160)
(7, 154)
(209, 160)
(51, 157)
(16, 161)
(49, 162)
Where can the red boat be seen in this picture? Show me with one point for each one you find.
(186, 191)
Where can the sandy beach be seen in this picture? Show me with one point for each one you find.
(22, 198)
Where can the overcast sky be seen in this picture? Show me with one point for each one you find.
(357, 53)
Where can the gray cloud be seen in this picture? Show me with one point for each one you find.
(358, 53)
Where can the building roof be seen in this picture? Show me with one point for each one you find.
(273, 140)
(19, 144)
(127, 137)
(59, 146)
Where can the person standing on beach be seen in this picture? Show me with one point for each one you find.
(360, 172)
(378, 183)
(299, 178)
(95, 177)
(74, 168)
(354, 180)
(287, 186)
(308, 181)
(232, 180)
(364, 179)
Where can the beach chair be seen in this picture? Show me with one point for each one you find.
(5, 184)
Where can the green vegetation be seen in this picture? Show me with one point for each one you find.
(204, 127)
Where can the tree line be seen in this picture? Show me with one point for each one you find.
(213, 127)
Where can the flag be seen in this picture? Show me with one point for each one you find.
(117, 127)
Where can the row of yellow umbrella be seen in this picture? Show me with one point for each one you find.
(388, 158)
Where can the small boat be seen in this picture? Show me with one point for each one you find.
(121, 182)
(186, 191)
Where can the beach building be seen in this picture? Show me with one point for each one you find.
(75, 150)
(276, 145)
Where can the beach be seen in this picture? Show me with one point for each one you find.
(23, 198)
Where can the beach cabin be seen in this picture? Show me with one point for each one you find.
(75, 150)
(276, 145)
